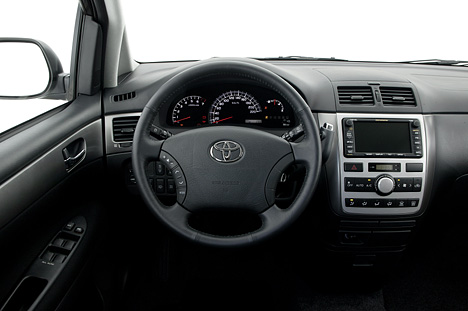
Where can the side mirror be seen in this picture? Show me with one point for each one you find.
(30, 69)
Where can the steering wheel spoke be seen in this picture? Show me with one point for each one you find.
(308, 150)
(150, 148)
(178, 217)
(302, 152)
(272, 217)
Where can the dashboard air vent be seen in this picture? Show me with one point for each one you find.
(355, 95)
(124, 128)
(398, 96)
(126, 96)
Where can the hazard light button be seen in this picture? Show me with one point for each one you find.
(353, 167)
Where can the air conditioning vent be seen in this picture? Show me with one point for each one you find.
(398, 96)
(126, 96)
(124, 128)
(355, 95)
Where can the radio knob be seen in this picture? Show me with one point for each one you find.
(349, 122)
(416, 124)
(384, 184)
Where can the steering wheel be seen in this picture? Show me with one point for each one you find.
(226, 168)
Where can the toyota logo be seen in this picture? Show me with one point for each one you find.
(226, 151)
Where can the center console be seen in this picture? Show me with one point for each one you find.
(378, 178)
(382, 163)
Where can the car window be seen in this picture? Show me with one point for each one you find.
(50, 21)
(361, 30)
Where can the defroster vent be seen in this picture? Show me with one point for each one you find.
(126, 96)
(124, 128)
(355, 95)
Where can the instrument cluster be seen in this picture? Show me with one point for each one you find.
(230, 104)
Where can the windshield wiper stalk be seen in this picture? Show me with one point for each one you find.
(435, 61)
(307, 58)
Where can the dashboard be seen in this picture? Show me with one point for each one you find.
(387, 159)
(229, 104)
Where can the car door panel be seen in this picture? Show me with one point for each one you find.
(39, 195)
(44, 173)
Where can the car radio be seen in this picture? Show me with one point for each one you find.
(382, 163)
(382, 138)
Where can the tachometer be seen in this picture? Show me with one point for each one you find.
(188, 112)
(235, 107)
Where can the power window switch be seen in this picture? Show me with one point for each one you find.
(68, 245)
(48, 256)
(59, 258)
(59, 242)
(69, 226)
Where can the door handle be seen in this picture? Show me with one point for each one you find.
(74, 153)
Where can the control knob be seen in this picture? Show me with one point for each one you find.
(384, 184)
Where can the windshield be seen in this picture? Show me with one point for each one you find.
(353, 30)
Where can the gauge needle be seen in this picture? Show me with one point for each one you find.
(177, 121)
(223, 119)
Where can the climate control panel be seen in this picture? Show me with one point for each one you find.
(383, 184)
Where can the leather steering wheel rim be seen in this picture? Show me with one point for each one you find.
(306, 152)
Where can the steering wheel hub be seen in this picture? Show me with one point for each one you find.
(226, 151)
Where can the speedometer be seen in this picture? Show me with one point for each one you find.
(235, 107)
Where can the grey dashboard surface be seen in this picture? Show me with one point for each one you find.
(439, 89)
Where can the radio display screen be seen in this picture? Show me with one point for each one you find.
(382, 137)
